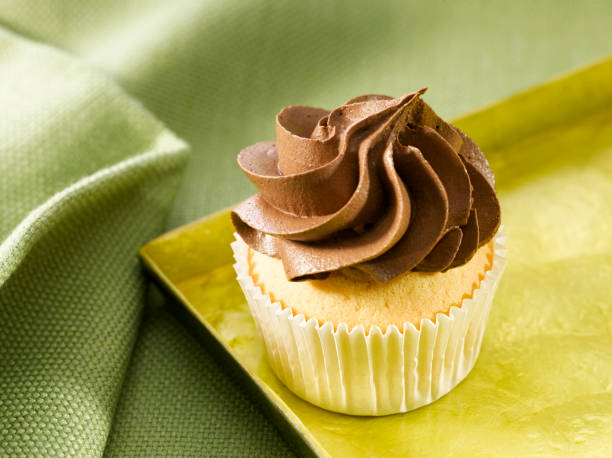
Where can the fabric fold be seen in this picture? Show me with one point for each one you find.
(93, 178)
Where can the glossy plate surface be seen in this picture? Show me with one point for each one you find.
(543, 383)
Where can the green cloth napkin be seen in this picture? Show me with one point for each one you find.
(92, 363)
(87, 177)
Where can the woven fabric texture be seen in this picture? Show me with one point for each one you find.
(87, 175)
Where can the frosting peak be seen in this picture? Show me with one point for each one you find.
(374, 188)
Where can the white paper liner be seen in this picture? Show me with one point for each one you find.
(379, 373)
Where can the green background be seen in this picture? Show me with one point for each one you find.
(87, 369)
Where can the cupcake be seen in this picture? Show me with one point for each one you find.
(371, 254)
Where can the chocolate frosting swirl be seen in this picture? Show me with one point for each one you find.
(374, 188)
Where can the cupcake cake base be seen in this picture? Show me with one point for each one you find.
(410, 297)
(372, 369)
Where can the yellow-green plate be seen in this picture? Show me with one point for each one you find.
(543, 383)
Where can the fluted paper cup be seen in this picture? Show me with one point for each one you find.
(371, 372)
